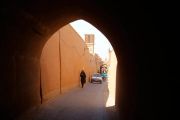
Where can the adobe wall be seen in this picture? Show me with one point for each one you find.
(63, 57)
(50, 68)
(72, 58)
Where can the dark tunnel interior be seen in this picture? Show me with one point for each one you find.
(136, 30)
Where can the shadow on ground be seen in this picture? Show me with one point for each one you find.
(112, 113)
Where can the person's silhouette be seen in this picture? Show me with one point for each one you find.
(83, 78)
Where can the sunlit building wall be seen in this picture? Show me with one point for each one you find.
(63, 57)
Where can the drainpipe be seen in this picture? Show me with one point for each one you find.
(60, 60)
(41, 94)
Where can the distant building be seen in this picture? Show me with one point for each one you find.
(89, 40)
(99, 61)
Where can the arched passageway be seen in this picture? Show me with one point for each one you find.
(67, 52)
(26, 26)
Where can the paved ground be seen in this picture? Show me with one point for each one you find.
(88, 103)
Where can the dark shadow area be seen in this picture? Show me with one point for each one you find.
(143, 34)
(112, 113)
(78, 104)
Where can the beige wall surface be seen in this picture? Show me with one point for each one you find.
(63, 57)
(72, 57)
(50, 67)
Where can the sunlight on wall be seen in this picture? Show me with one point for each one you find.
(112, 80)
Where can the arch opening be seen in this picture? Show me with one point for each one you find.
(76, 46)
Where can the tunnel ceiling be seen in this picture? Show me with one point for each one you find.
(45, 17)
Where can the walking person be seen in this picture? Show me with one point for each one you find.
(83, 78)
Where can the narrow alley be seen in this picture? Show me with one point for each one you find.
(88, 103)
